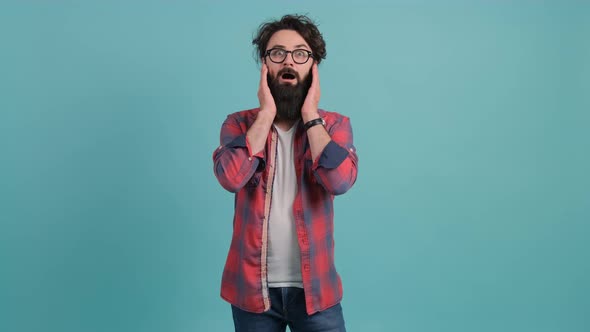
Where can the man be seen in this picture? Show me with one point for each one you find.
(285, 161)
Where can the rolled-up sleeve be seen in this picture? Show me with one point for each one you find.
(336, 166)
(234, 164)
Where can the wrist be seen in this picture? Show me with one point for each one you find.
(315, 122)
(266, 115)
(308, 116)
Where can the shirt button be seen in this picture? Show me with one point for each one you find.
(306, 267)
(250, 158)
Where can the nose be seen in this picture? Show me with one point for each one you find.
(289, 60)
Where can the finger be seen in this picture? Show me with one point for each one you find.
(315, 81)
(263, 72)
(264, 80)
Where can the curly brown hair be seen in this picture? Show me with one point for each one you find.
(300, 23)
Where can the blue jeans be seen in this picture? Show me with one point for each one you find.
(288, 308)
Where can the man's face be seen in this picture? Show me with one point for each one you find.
(288, 80)
(288, 40)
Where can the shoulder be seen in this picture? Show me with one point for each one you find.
(332, 118)
(244, 117)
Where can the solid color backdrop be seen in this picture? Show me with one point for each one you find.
(471, 118)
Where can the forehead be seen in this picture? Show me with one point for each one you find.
(288, 39)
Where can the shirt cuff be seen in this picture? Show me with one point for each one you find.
(242, 142)
(331, 157)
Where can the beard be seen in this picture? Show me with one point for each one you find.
(289, 98)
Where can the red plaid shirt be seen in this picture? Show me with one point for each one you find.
(250, 177)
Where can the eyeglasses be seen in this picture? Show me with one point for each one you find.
(278, 55)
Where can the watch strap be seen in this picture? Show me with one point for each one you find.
(314, 122)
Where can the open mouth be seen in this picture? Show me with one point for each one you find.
(288, 76)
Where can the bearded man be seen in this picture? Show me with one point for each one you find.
(285, 161)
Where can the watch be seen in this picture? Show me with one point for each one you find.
(314, 122)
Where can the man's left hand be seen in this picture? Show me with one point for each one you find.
(309, 110)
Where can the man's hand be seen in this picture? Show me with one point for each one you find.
(309, 111)
(268, 107)
(258, 132)
(317, 135)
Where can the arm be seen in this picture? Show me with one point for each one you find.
(233, 162)
(336, 166)
(259, 131)
(333, 153)
(241, 152)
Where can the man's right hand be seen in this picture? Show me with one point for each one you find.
(258, 132)
(267, 102)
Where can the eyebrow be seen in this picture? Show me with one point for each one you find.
(296, 46)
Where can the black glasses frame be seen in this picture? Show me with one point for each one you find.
(309, 55)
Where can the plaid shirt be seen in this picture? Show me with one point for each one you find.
(250, 177)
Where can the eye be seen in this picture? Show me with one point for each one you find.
(277, 52)
(300, 53)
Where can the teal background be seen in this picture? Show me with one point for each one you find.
(471, 118)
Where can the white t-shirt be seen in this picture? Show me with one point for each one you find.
(283, 260)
